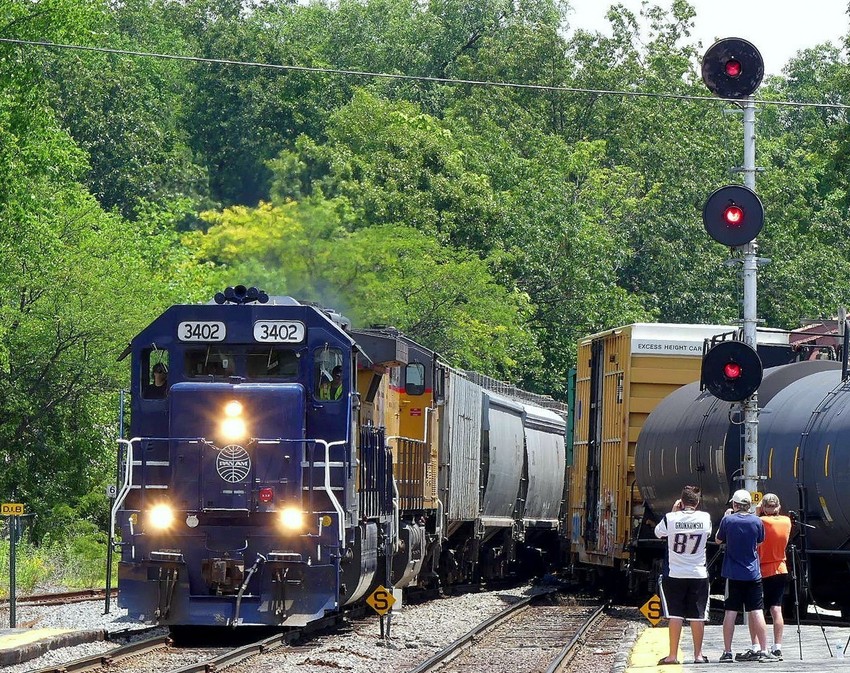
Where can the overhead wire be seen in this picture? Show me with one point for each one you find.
(416, 78)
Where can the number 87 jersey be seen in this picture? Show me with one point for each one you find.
(687, 534)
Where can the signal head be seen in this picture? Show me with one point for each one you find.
(731, 371)
(732, 68)
(733, 215)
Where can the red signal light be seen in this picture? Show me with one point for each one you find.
(734, 216)
(266, 494)
(733, 68)
(732, 370)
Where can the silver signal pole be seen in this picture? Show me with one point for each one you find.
(733, 68)
(750, 268)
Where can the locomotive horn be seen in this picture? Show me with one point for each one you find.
(241, 295)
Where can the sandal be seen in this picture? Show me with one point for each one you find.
(663, 662)
(701, 660)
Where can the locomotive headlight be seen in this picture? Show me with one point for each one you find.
(233, 429)
(233, 426)
(161, 516)
(292, 518)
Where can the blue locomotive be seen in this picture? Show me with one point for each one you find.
(291, 464)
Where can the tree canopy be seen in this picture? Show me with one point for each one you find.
(464, 171)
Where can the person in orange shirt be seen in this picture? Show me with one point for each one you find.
(774, 571)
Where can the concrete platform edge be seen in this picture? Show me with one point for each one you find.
(41, 643)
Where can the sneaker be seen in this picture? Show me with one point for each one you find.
(777, 653)
(749, 655)
(726, 658)
(767, 657)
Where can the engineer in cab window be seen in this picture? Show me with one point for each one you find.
(159, 386)
(332, 390)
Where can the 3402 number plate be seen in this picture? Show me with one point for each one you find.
(201, 331)
(279, 331)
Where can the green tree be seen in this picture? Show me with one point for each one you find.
(395, 165)
(388, 274)
(72, 284)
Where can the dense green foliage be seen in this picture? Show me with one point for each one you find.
(497, 224)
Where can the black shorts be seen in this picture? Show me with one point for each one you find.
(743, 595)
(774, 589)
(684, 598)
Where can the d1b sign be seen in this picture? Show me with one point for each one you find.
(11, 509)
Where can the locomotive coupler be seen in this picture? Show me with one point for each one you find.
(223, 575)
(282, 565)
(165, 585)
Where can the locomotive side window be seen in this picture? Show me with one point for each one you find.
(414, 378)
(272, 363)
(209, 362)
(327, 374)
(440, 386)
(154, 374)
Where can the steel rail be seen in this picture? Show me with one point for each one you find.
(458, 646)
(78, 596)
(240, 654)
(269, 644)
(106, 659)
(558, 660)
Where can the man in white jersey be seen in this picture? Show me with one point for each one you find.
(684, 585)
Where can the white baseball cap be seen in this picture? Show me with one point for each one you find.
(742, 497)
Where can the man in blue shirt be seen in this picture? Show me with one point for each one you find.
(742, 531)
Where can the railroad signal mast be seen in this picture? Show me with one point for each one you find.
(733, 215)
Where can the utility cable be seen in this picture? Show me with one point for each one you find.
(416, 78)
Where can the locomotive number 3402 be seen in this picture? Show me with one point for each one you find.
(279, 331)
(201, 330)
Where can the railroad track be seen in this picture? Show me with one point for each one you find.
(159, 655)
(538, 633)
(61, 598)
(109, 659)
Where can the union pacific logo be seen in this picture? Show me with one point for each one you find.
(233, 463)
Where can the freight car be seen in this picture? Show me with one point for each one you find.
(644, 428)
(622, 376)
(295, 463)
(802, 457)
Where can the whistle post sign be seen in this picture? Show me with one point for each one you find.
(381, 600)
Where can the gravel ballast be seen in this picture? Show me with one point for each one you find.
(417, 631)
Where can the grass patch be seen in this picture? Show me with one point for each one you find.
(76, 563)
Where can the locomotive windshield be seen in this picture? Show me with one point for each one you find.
(209, 362)
(272, 363)
(266, 362)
